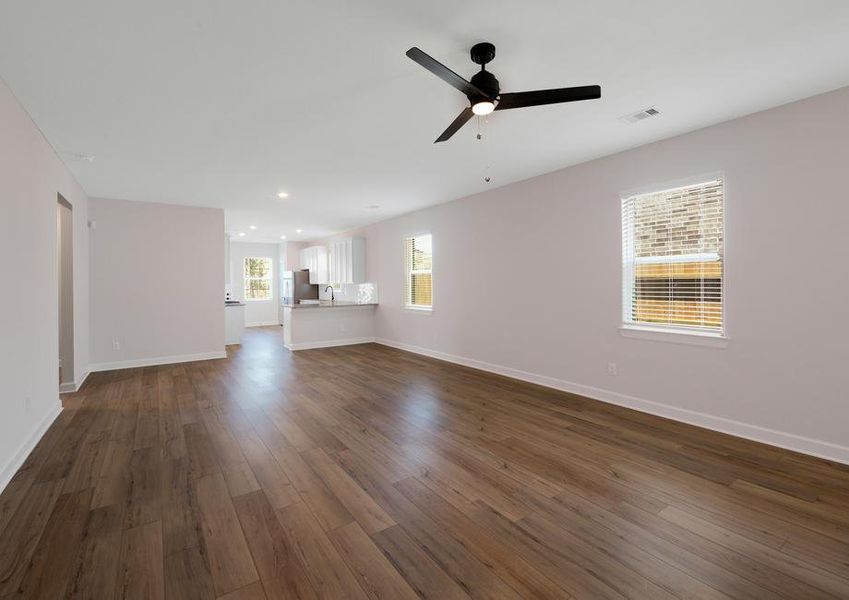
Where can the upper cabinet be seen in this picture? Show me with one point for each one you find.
(344, 261)
(347, 260)
(314, 258)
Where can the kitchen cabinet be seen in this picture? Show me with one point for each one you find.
(347, 260)
(314, 258)
(234, 323)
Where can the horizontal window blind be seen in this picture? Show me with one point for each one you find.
(418, 272)
(672, 252)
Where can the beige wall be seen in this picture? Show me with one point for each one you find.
(156, 273)
(293, 255)
(31, 178)
(527, 280)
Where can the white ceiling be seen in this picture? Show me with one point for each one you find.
(224, 103)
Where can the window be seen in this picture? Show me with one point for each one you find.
(673, 253)
(418, 274)
(257, 278)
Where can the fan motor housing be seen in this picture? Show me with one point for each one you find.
(487, 83)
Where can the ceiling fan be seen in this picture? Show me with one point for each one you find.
(484, 94)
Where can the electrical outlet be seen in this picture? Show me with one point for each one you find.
(27, 404)
(612, 370)
(116, 345)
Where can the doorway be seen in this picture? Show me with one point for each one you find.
(65, 273)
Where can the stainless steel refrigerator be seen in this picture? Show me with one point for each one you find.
(297, 286)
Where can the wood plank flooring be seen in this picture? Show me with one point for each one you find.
(367, 472)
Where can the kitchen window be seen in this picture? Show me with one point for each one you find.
(258, 278)
(673, 256)
(418, 272)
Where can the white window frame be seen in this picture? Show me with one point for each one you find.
(414, 308)
(664, 333)
(270, 279)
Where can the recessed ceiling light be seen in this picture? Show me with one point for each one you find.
(298, 230)
(282, 195)
(241, 234)
(251, 226)
(282, 237)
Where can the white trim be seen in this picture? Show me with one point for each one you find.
(674, 336)
(673, 185)
(328, 343)
(82, 381)
(270, 279)
(262, 323)
(11, 467)
(157, 360)
(627, 277)
(406, 274)
(421, 310)
(74, 386)
(677, 258)
(781, 439)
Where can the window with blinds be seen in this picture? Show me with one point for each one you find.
(258, 278)
(418, 272)
(673, 252)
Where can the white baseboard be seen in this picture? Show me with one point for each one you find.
(73, 386)
(262, 323)
(158, 360)
(782, 439)
(329, 343)
(11, 467)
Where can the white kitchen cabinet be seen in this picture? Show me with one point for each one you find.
(347, 258)
(314, 258)
(234, 323)
(303, 259)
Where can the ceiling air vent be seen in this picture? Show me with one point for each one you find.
(651, 111)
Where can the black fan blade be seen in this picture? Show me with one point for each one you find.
(540, 97)
(456, 125)
(443, 72)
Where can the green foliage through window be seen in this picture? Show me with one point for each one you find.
(258, 278)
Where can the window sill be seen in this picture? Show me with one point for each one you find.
(658, 334)
(418, 310)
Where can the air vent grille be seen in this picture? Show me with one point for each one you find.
(640, 115)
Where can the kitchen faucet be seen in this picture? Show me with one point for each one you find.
(332, 297)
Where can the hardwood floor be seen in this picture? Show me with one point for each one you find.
(367, 472)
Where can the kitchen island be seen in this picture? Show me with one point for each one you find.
(327, 323)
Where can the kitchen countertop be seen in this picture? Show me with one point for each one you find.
(329, 304)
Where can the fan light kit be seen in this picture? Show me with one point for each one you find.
(484, 107)
(484, 93)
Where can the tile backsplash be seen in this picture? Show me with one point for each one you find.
(351, 292)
